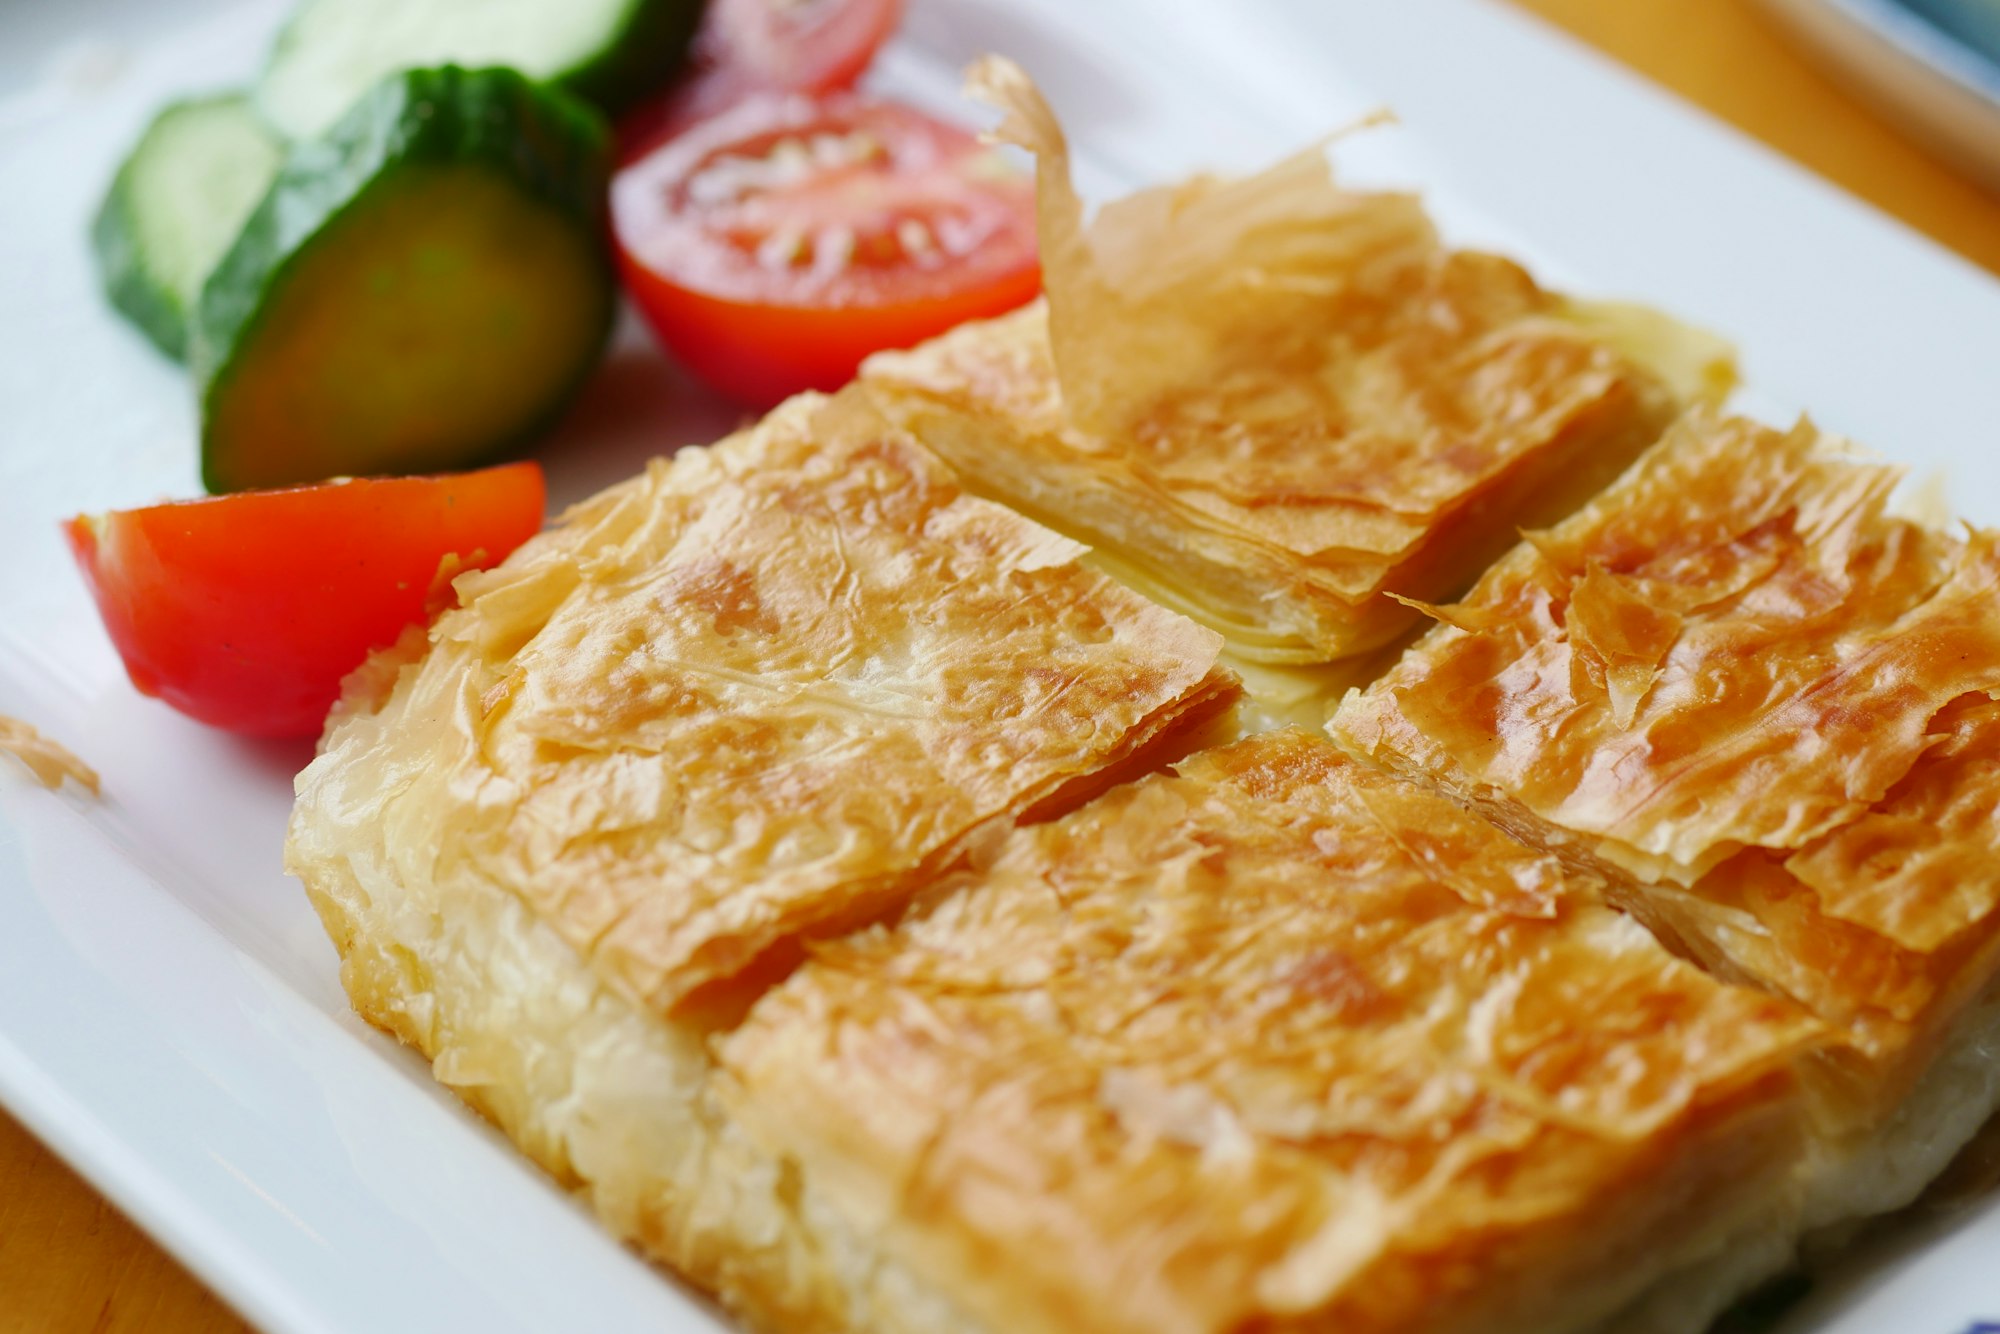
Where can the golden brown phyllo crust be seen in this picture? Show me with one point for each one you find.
(1267, 400)
(1762, 699)
(767, 689)
(1275, 1041)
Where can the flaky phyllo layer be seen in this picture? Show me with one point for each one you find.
(761, 690)
(1764, 699)
(1266, 400)
(1275, 1042)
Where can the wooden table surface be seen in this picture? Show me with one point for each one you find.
(70, 1264)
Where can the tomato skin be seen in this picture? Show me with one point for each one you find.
(245, 611)
(746, 47)
(691, 241)
(760, 356)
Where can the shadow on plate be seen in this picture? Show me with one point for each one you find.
(1830, 1281)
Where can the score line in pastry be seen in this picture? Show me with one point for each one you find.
(1760, 700)
(1275, 1041)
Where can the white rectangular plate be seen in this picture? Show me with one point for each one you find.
(170, 1016)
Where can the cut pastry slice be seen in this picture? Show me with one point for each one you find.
(1762, 701)
(1263, 402)
(1277, 1042)
(762, 691)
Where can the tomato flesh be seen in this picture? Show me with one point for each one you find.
(245, 611)
(775, 246)
(746, 47)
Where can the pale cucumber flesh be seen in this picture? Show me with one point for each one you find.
(441, 314)
(177, 204)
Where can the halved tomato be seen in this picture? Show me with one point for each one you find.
(746, 47)
(776, 245)
(245, 611)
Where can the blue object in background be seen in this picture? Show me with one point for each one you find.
(1932, 64)
(1960, 39)
(1975, 23)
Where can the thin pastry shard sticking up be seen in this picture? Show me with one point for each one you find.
(1278, 1042)
(1264, 401)
(1763, 703)
(1201, 306)
(764, 690)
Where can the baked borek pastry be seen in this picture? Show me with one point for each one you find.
(1277, 1042)
(1265, 401)
(1760, 700)
(762, 692)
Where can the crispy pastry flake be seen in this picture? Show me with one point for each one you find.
(49, 761)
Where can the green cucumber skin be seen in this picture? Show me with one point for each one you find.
(129, 282)
(651, 48)
(128, 285)
(649, 45)
(554, 147)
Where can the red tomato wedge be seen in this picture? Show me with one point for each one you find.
(245, 611)
(746, 47)
(776, 245)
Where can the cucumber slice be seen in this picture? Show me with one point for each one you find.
(424, 286)
(609, 52)
(174, 207)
